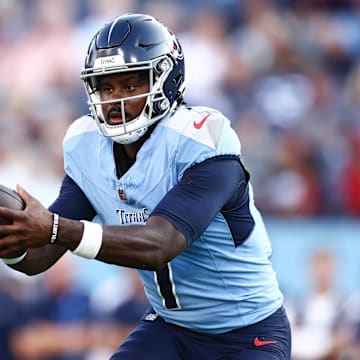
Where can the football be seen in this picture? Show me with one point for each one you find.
(9, 198)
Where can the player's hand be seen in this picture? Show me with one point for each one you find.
(31, 227)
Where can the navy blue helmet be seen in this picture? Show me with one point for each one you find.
(135, 42)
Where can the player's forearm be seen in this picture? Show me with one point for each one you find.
(38, 260)
(47, 237)
(138, 247)
(148, 246)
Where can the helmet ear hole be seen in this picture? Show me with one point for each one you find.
(162, 66)
(160, 106)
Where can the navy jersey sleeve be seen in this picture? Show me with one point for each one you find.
(72, 202)
(204, 190)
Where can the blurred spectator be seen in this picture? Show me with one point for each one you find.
(66, 322)
(348, 332)
(48, 47)
(15, 298)
(59, 318)
(203, 43)
(115, 314)
(314, 335)
(293, 187)
(351, 176)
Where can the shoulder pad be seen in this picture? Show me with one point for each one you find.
(201, 124)
(81, 125)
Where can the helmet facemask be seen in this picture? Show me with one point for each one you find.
(156, 106)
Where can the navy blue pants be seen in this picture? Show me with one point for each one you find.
(269, 339)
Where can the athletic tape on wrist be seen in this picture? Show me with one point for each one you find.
(13, 261)
(91, 240)
(55, 227)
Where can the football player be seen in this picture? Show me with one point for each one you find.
(155, 184)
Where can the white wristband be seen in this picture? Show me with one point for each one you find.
(13, 261)
(91, 240)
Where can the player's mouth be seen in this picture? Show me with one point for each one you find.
(115, 117)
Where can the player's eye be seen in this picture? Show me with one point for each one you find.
(130, 88)
(106, 89)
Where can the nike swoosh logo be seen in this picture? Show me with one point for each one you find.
(199, 124)
(258, 342)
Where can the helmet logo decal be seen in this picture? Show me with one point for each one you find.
(109, 61)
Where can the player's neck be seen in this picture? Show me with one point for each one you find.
(132, 149)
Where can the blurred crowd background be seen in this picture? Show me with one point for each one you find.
(286, 73)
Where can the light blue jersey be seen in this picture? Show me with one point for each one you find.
(214, 285)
